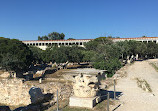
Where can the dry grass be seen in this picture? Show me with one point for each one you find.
(154, 66)
(143, 84)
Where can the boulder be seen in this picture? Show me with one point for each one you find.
(36, 95)
(5, 75)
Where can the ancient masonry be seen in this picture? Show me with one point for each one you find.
(13, 92)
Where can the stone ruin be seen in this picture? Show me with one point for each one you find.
(86, 85)
(13, 92)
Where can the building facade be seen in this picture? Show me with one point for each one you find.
(43, 44)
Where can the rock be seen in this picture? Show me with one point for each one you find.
(13, 92)
(54, 65)
(103, 86)
(4, 108)
(40, 80)
(36, 95)
(40, 72)
(5, 75)
(137, 56)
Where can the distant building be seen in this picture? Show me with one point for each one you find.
(43, 44)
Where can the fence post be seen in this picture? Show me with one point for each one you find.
(108, 101)
(114, 91)
(57, 101)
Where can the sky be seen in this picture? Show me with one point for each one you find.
(79, 19)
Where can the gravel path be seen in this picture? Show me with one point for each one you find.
(134, 98)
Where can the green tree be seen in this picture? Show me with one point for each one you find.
(52, 36)
(141, 49)
(152, 51)
(106, 56)
(93, 44)
(40, 38)
(63, 54)
(15, 55)
(87, 55)
(37, 54)
(70, 39)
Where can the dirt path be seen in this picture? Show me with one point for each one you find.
(134, 98)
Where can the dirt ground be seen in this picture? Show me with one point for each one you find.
(133, 97)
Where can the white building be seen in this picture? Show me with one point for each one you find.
(43, 44)
(141, 39)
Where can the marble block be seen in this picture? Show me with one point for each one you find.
(84, 102)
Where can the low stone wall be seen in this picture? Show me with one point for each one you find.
(13, 92)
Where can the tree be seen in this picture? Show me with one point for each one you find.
(70, 39)
(93, 44)
(40, 38)
(63, 54)
(124, 48)
(75, 54)
(106, 54)
(45, 37)
(87, 55)
(52, 36)
(37, 54)
(152, 49)
(15, 55)
(141, 49)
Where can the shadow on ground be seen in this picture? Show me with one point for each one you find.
(111, 94)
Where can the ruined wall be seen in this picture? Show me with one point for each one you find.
(13, 92)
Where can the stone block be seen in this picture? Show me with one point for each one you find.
(84, 102)
(5, 75)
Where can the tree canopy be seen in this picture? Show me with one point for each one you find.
(63, 54)
(52, 36)
(14, 55)
(102, 52)
(105, 54)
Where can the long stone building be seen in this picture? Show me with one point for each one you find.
(43, 44)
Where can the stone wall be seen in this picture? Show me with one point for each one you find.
(13, 92)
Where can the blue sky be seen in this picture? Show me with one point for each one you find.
(79, 19)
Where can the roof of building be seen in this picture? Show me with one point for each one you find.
(132, 38)
(56, 40)
(136, 38)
